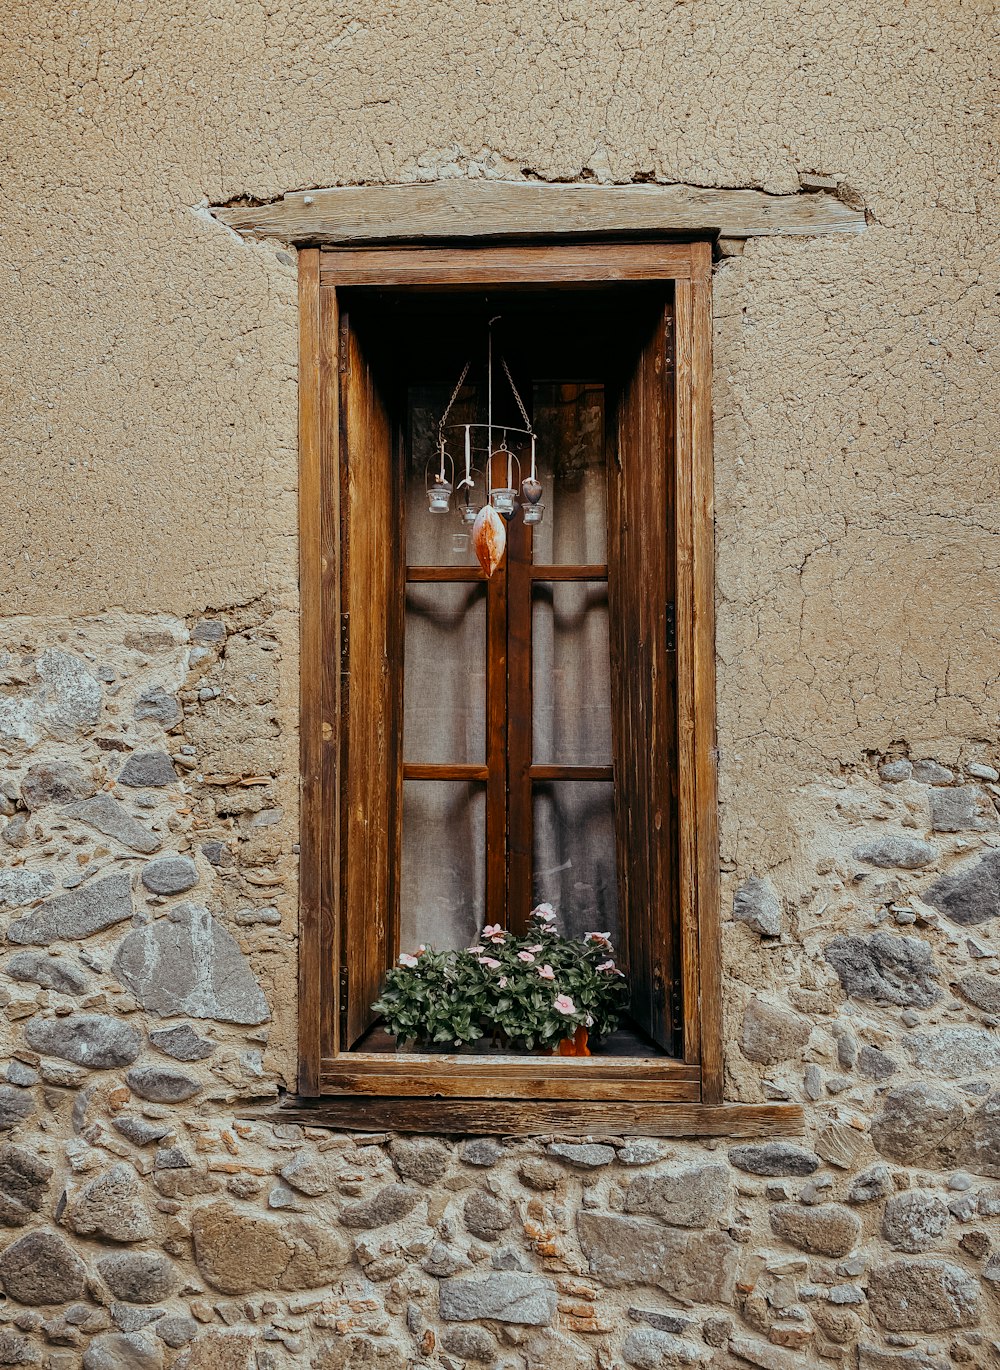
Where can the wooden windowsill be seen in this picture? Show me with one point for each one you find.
(530, 1118)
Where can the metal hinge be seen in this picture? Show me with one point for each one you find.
(671, 627)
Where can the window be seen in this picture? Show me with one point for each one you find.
(472, 745)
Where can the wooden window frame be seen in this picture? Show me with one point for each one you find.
(656, 1096)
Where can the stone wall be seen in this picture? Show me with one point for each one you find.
(149, 911)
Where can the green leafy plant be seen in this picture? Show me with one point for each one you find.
(527, 992)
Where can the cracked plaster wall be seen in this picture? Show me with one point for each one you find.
(149, 460)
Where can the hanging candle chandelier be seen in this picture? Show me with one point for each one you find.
(488, 496)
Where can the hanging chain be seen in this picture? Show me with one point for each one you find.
(454, 396)
(510, 378)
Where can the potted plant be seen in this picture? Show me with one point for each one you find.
(537, 992)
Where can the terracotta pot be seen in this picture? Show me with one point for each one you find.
(575, 1045)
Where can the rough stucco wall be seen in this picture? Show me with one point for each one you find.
(149, 450)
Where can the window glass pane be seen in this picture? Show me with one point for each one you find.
(569, 421)
(444, 679)
(434, 539)
(443, 878)
(571, 674)
(574, 854)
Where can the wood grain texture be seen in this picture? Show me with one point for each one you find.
(459, 209)
(491, 1082)
(639, 588)
(524, 1066)
(371, 568)
(528, 1119)
(314, 820)
(473, 267)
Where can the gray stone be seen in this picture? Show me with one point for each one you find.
(124, 1351)
(171, 1158)
(80, 913)
(42, 1268)
(177, 1329)
(19, 886)
(218, 854)
(282, 1197)
(110, 1205)
(148, 771)
(485, 1216)
(182, 1043)
(872, 1184)
(139, 1131)
(140, 1276)
(15, 1106)
(875, 1064)
(756, 903)
(309, 1173)
(663, 1322)
(915, 1220)
(929, 772)
(15, 834)
(469, 1343)
(771, 1034)
(170, 875)
(915, 1121)
(954, 1052)
(482, 1151)
(922, 1296)
(625, 1251)
(966, 808)
(269, 917)
(980, 771)
(161, 707)
(70, 696)
(969, 896)
(55, 782)
(390, 1204)
(51, 972)
(894, 851)
(647, 1349)
(840, 1144)
(420, 1159)
(979, 1145)
(886, 968)
(636, 1153)
(95, 1040)
(209, 630)
(527, 1300)
(982, 990)
(695, 1197)
(20, 1074)
(107, 815)
(583, 1155)
(873, 1358)
(16, 1349)
(893, 772)
(127, 1317)
(773, 1158)
(824, 1230)
(24, 1183)
(188, 964)
(161, 1086)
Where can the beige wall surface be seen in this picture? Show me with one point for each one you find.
(147, 704)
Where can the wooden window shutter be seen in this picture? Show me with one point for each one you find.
(641, 591)
(371, 635)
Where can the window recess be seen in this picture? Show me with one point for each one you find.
(473, 745)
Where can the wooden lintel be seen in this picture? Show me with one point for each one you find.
(447, 210)
(523, 1118)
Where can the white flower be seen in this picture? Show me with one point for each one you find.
(564, 1004)
(407, 960)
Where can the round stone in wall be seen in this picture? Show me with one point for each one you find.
(170, 875)
(42, 1268)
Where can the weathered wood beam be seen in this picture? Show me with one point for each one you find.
(443, 210)
(522, 1118)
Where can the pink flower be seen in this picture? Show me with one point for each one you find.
(607, 965)
(546, 972)
(499, 940)
(489, 961)
(502, 982)
(525, 956)
(537, 948)
(603, 937)
(564, 1004)
(478, 951)
(545, 912)
(407, 960)
(491, 929)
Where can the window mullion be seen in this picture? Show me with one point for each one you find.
(519, 723)
(496, 748)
